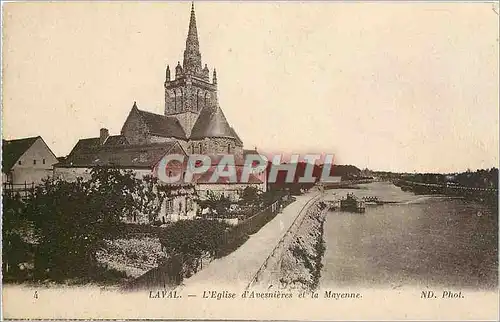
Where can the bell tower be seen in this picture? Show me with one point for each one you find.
(191, 90)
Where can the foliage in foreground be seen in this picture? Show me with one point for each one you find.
(194, 238)
(70, 220)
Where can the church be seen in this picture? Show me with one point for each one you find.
(193, 123)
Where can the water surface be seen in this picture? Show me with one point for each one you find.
(419, 241)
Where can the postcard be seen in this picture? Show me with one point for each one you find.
(250, 160)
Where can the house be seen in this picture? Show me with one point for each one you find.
(26, 162)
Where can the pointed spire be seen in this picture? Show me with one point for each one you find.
(167, 74)
(192, 56)
(214, 77)
(135, 105)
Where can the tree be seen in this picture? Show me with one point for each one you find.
(250, 196)
(71, 219)
(150, 197)
(192, 239)
(14, 248)
(216, 203)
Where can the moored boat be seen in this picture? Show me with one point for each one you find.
(352, 203)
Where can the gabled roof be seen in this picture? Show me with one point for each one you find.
(213, 123)
(84, 145)
(12, 150)
(161, 125)
(124, 156)
(91, 143)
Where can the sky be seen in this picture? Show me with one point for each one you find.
(388, 86)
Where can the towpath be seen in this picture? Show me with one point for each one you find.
(237, 269)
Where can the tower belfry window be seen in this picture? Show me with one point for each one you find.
(175, 100)
(182, 101)
(197, 100)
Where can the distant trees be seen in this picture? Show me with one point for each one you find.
(482, 178)
(346, 172)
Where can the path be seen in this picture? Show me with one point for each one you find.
(238, 268)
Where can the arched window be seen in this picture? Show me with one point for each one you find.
(182, 101)
(201, 151)
(229, 148)
(175, 100)
(206, 99)
(197, 100)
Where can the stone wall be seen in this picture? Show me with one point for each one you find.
(300, 264)
(215, 146)
(134, 129)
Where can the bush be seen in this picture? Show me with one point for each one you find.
(71, 219)
(194, 238)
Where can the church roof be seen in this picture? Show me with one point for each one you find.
(213, 123)
(162, 125)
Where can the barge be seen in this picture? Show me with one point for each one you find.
(351, 203)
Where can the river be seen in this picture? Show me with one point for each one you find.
(421, 241)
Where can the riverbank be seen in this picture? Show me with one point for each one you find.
(300, 264)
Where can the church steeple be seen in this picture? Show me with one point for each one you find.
(192, 55)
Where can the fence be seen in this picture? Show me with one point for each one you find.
(168, 274)
(253, 224)
(23, 190)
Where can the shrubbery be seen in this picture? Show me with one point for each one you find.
(70, 220)
(194, 238)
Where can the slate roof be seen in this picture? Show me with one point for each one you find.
(126, 156)
(116, 140)
(91, 143)
(161, 125)
(85, 145)
(12, 150)
(213, 123)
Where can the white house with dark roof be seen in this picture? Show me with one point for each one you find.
(26, 161)
(192, 123)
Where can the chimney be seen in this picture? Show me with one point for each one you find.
(104, 133)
